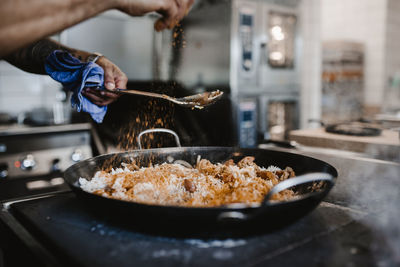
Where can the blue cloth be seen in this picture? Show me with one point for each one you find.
(76, 75)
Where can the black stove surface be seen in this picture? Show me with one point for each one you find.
(73, 236)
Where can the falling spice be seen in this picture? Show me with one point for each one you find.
(149, 118)
(155, 114)
(178, 36)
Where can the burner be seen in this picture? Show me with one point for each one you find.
(353, 128)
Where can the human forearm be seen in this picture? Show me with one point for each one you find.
(32, 58)
(24, 21)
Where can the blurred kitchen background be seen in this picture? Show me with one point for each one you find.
(295, 73)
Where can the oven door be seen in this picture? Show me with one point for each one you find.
(278, 115)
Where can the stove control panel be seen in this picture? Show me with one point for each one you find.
(42, 162)
(43, 150)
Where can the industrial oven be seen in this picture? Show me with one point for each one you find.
(250, 47)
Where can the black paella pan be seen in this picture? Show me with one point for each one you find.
(268, 215)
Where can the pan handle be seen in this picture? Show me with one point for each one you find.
(302, 179)
(158, 130)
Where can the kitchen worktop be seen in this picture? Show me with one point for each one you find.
(388, 137)
(356, 225)
(386, 146)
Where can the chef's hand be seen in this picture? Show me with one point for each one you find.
(113, 78)
(172, 11)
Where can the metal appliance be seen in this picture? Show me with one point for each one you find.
(32, 158)
(265, 65)
(282, 117)
(250, 47)
(247, 123)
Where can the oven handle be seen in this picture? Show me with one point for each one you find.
(158, 130)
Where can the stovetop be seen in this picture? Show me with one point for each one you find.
(357, 225)
(64, 228)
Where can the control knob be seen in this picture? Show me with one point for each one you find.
(77, 155)
(28, 162)
(55, 165)
(3, 170)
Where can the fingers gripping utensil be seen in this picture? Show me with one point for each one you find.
(193, 101)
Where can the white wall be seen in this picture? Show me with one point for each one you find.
(392, 45)
(21, 91)
(361, 21)
(375, 23)
(310, 20)
(126, 41)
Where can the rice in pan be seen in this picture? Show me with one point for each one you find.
(205, 185)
